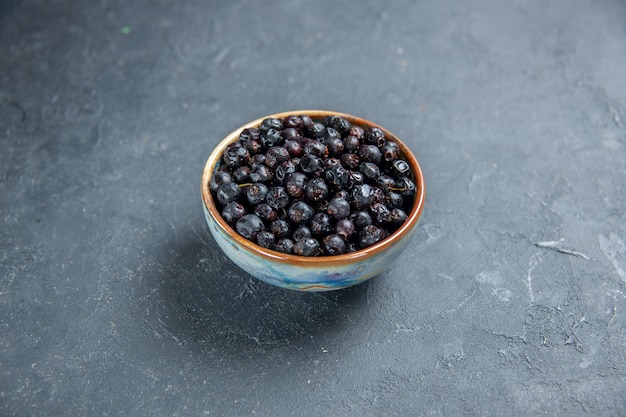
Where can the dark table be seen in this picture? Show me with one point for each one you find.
(116, 301)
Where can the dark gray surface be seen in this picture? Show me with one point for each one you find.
(115, 300)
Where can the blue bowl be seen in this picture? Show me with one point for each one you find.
(322, 273)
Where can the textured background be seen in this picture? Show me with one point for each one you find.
(115, 300)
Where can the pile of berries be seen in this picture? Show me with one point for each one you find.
(313, 187)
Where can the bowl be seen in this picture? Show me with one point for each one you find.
(321, 273)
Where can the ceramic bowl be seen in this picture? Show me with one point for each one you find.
(309, 273)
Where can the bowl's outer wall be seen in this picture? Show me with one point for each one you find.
(306, 278)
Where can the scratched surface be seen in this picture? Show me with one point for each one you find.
(114, 299)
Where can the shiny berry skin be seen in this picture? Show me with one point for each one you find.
(350, 160)
(261, 173)
(249, 226)
(277, 197)
(316, 189)
(300, 212)
(390, 151)
(380, 213)
(336, 176)
(265, 212)
(227, 192)
(398, 216)
(311, 164)
(235, 155)
(284, 245)
(334, 245)
(405, 186)
(293, 147)
(360, 219)
(351, 144)
(331, 133)
(275, 155)
(290, 134)
(370, 153)
(385, 182)
(241, 174)
(285, 169)
(306, 247)
(293, 122)
(255, 193)
(354, 178)
(394, 200)
(361, 196)
(295, 184)
(341, 124)
(338, 208)
(280, 228)
(370, 235)
(375, 136)
(321, 224)
(251, 133)
(219, 178)
(315, 147)
(335, 146)
(345, 228)
(266, 239)
(271, 138)
(316, 130)
(301, 232)
(233, 211)
(369, 169)
(271, 123)
(357, 131)
(400, 168)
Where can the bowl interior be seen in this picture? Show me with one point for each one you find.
(214, 162)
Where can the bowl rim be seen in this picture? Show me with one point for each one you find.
(313, 261)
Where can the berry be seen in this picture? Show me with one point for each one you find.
(227, 192)
(316, 189)
(351, 144)
(334, 245)
(338, 208)
(296, 183)
(277, 197)
(313, 187)
(271, 123)
(302, 232)
(241, 174)
(219, 178)
(375, 136)
(370, 153)
(400, 168)
(276, 155)
(345, 228)
(306, 247)
(369, 169)
(360, 219)
(361, 196)
(320, 224)
(233, 211)
(300, 212)
(311, 164)
(266, 239)
(249, 226)
(280, 228)
(284, 245)
(266, 212)
(295, 122)
(370, 235)
(256, 193)
(390, 151)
